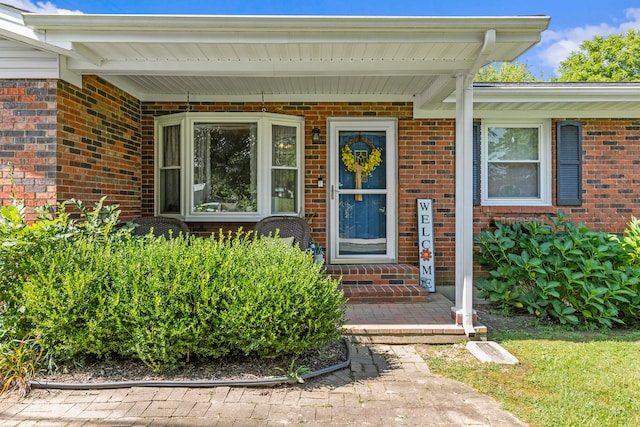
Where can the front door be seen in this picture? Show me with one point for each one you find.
(362, 196)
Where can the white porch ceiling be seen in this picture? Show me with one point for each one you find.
(163, 57)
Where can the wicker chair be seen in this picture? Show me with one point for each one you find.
(286, 226)
(160, 226)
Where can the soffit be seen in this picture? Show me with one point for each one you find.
(162, 57)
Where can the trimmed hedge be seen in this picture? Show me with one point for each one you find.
(88, 289)
(165, 302)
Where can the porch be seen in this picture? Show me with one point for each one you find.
(429, 322)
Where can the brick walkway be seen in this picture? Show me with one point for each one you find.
(387, 385)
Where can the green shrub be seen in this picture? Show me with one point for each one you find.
(23, 243)
(561, 270)
(87, 288)
(165, 302)
(631, 241)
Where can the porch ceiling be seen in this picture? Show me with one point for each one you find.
(163, 57)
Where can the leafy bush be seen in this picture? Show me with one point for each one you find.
(164, 302)
(22, 244)
(88, 289)
(561, 270)
(631, 241)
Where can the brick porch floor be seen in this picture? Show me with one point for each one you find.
(398, 323)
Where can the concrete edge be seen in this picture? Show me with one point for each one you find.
(491, 352)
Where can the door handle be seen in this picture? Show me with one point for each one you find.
(333, 192)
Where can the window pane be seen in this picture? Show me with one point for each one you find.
(225, 167)
(284, 145)
(284, 182)
(362, 225)
(170, 191)
(171, 146)
(512, 144)
(508, 180)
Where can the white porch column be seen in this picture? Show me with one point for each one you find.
(464, 202)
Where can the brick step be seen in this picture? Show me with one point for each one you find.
(379, 283)
(379, 294)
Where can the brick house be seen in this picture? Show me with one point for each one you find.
(221, 121)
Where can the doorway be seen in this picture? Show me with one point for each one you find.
(362, 191)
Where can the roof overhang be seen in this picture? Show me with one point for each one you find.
(546, 100)
(293, 58)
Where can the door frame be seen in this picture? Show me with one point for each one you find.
(390, 126)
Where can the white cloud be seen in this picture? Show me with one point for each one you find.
(39, 7)
(557, 45)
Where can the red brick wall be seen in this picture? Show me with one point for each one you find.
(611, 174)
(99, 145)
(28, 142)
(610, 179)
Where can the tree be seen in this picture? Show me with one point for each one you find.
(612, 58)
(505, 72)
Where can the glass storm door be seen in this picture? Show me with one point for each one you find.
(362, 195)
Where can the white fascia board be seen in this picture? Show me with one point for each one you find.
(576, 93)
(12, 27)
(567, 112)
(585, 112)
(248, 23)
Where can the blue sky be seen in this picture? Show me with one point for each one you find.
(572, 21)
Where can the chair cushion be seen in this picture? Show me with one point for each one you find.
(288, 240)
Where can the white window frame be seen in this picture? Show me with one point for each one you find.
(544, 147)
(264, 122)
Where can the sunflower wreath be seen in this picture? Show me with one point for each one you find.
(374, 160)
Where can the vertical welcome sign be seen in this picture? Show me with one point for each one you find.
(425, 244)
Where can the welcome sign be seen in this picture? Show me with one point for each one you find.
(425, 244)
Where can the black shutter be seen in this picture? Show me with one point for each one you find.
(476, 164)
(569, 163)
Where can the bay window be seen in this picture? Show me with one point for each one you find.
(228, 166)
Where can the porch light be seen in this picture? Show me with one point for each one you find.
(315, 135)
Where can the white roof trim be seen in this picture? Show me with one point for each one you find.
(546, 100)
(303, 24)
(576, 92)
(329, 57)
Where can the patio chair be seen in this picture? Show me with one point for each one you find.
(286, 226)
(160, 225)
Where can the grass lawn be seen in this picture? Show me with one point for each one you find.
(565, 378)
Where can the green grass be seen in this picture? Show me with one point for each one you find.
(564, 378)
